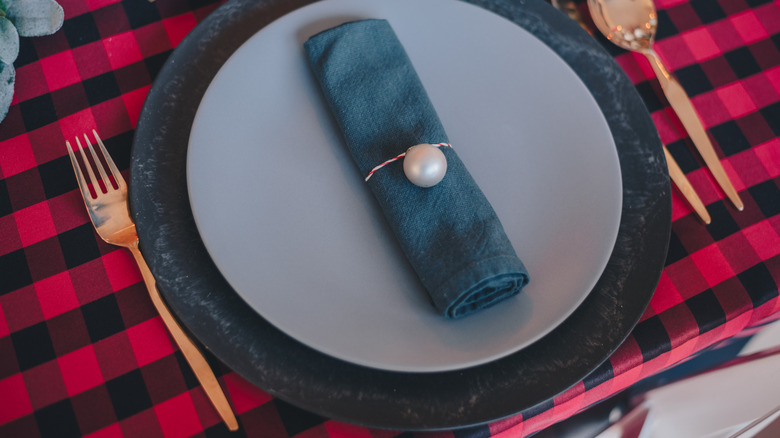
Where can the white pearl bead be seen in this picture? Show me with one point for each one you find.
(425, 165)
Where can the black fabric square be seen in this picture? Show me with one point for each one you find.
(723, 224)
(771, 114)
(128, 394)
(33, 346)
(754, 3)
(5, 199)
(57, 176)
(472, 432)
(766, 195)
(666, 27)
(742, 62)
(759, 284)
(295, 419)
(119, 148)
(103, 318)
(684, 155)
(14, 272)
(79, 245)
(708, 10)
(603, 373)
(101, 88)
(80, 30)
(38, 111)
(676, 250)
(650, 96)
(58, 420)
(538, 409)
(140, 14)
(155, 63)
(186, 370)
(197, 4)
(652, 338)
(707, 310)
(693, 80)
(27, 53)
(730, 138)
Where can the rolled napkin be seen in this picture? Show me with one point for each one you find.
(449, 232)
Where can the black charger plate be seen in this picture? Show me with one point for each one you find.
(221, 320)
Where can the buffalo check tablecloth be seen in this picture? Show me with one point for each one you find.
(83, 353)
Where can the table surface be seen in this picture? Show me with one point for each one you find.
(82, 351)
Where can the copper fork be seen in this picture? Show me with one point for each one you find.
(107, 206)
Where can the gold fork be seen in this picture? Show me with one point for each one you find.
(108, 210)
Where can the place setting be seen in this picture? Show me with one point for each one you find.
(287, 229)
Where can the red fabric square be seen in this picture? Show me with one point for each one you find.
(761, 90)
(111, 118)
(15, 402)
(712, 265)
(4, 330)
(737, 250)
(97, 4)
(49, 143)
(736, 180)
(60, 70)
(679, 321)
(153, 39)
(701, 44)
(121, 269)
(77, 124)
(112, 431)
(80, 370)
(749, 27)
(122, 50)
(706, 187)
(748, 166)
(91, 59)
(74, 8)
(68, 332)
(337, 429)
(663, 4)
(115, 356)
(30, 82)
(35, 223)
(178, 27)
(636, 70)
(674, 52)
(68, 211)
(21, 308)
(736, 100)
(686, 278)
(769, 155)
(150, 341)
(144, 423)
(177, 417)
(769, 15)
(764, 239)
(56, 295)
(9, 235)
(111, 20)
(44, 384)
(243, 395)
(709, 106)
(724, 35)
(90, 281)
(134, 101)
(666, 295)
(17, 155)
(733, 297)
(680, 206)
(45, 259)
(135, 305)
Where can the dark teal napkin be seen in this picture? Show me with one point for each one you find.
(449, 232)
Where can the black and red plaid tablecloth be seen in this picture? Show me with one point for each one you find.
(83, 353)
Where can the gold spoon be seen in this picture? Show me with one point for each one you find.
(631, 24)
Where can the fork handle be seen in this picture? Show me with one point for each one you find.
(192, 354)
(682, 106)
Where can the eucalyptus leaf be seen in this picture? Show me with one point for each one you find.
(35, 17)
(9, 41)
(7, 76)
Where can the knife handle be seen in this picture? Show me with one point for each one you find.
(192, 354)
(682, 106)
(682, 183)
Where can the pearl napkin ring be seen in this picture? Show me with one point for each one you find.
(424, 164)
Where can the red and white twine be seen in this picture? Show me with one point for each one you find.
(398, 157)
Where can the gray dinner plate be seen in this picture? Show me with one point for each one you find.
(310, 376)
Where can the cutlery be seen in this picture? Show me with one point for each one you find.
(678, 177)
(107, 206)
(631, 24)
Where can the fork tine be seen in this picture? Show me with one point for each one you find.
(77, 170)
(98, 164)
(91, 174)
(120, 180)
